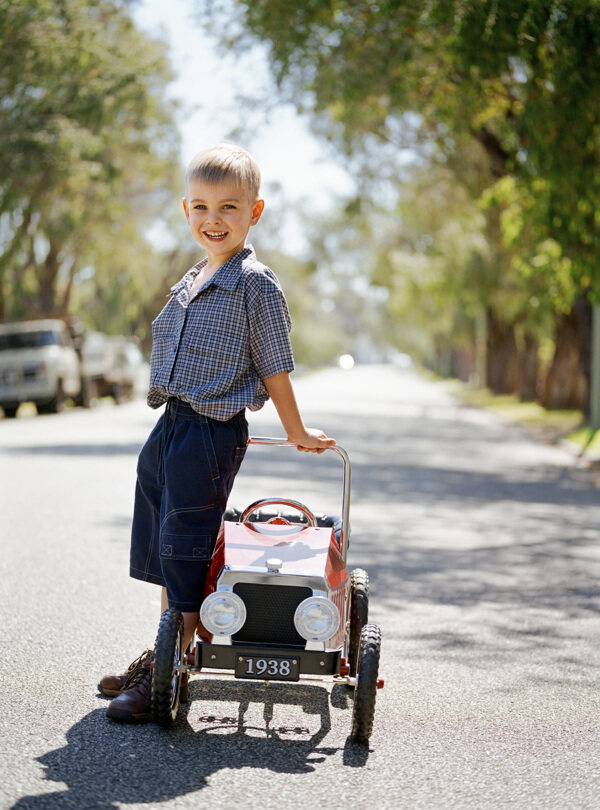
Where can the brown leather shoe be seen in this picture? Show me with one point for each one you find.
(112, 685)
(133, 704)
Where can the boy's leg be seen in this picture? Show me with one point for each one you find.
(113, 684)
(200, 463)
(190, 621)
(199, 460)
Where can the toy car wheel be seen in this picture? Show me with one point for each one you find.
(359, 614)
(365, 691)
(166, 679)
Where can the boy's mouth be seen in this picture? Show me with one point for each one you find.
(215, 236)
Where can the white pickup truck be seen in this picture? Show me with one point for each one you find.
(38, 363)
(46, 361)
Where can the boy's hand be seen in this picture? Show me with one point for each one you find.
(314, 441)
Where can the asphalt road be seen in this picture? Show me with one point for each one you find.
(482, 548)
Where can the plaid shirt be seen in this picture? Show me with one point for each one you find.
(214, 350)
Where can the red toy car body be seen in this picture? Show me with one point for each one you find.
(279, 605)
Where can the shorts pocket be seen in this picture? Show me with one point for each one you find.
(185, 535)
(192, 548)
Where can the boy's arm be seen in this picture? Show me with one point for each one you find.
(309, 440)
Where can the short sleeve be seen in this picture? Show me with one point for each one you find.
(269, 325)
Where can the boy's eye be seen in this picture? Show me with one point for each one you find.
(229, 206)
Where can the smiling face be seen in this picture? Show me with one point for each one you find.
(220, 216)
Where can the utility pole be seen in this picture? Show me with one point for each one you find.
(481, 347)
(595, 376)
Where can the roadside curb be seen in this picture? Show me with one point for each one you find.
(581, 455)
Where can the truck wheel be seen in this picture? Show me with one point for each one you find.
(166, 680)
(359, 614)
(365, 691)
(10, 411)
(118, 394)
(56, 404)
(89, 393)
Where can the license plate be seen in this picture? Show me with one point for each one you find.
(267, 667)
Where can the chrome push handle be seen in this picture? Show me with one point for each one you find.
(346, 481)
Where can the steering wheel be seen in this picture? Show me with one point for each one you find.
(254, 507)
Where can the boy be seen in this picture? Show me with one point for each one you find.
(220, 345)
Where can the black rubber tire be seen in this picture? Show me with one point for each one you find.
(359, 614)
(166, 680)
(10, 411)
(118, 394)
(365, 691)
(89, 393)
(56, 404)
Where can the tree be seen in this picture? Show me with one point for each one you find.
(90, 151)
(521, 79)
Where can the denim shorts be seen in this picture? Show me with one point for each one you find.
(185, 473)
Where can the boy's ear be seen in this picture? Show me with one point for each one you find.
(257, 209)
(186, 208)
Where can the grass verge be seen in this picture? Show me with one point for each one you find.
(567, 425)
(587, 439)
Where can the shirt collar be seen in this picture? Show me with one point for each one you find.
(227, 276)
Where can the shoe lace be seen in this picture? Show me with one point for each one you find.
(140, 671)
(135, 664)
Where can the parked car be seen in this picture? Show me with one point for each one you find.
(113, 366)
(129, 375)
(38, 363)
(50, 360)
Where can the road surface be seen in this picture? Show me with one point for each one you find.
(482, 548)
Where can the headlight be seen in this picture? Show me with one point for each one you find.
(316, 618)
(223, 613)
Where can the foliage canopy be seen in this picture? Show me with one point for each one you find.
(90, 142)
(520, 78)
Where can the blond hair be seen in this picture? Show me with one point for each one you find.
(223, 162)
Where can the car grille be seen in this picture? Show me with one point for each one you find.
(31, 372)
(270, 610)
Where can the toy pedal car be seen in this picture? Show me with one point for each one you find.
(279, 605)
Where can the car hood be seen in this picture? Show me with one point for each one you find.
(306, 551)
(13, 357)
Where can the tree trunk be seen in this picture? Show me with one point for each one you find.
(47, 284)
(568, 382)
(502, 371)
(528, 368)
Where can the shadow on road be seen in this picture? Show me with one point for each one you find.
(106, 764)
(517, 537)
(77, 449)
(448, 509)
